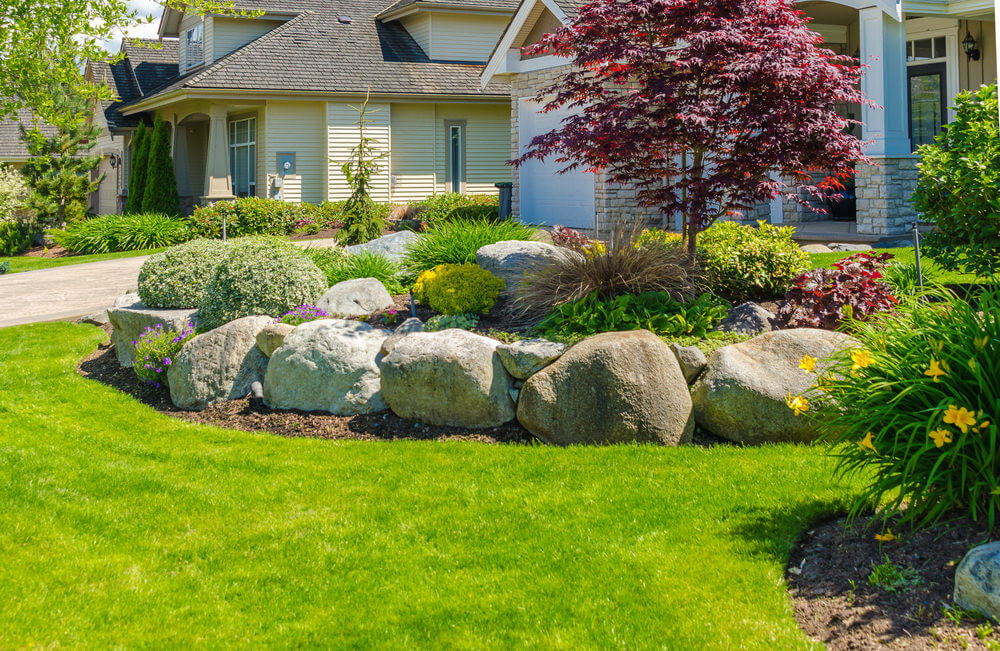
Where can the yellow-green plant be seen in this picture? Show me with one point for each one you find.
(458, 289)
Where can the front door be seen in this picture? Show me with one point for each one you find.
(928, 103)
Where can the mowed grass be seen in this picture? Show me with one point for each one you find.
(905, 255)
(122, 526)
(32, 263)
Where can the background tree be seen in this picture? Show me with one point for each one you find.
(720, 98)
(160, 193)
(59, 170)
(363, 218)
(138, 167)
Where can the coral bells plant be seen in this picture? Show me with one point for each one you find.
(912, 408)
(302, 314)
(155, 351)
(824, 298)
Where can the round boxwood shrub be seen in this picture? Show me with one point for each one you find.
(176, 278)
(458, 288)
(750, 262)
(260, 275)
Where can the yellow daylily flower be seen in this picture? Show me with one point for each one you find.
(973, 365)
(866, 442)
(798, 404)
(861, 358)
(981, 342)
(940, 436)
(807, 363)
(888, 536)
(961, 418)
(937, 370)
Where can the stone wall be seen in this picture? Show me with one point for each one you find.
(884, 191)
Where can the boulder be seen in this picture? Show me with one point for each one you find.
(411, 325)
(360, 296)
(98, 319)
(327, 365)
(691, 359)
(816, 248)
(128, 299)
(977, 580)
(129, 322)
(511, 259)
(271, 337)
(847, 246)
(524, 358)
(748, 319)
(741, 394)
(615, 387)
(392, 246)
(218, 365)
(449, 378)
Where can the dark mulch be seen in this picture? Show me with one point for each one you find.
(835, 603)
(53, 251)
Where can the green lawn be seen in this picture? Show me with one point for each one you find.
(121, 526)
(905, 255)
(30, 263)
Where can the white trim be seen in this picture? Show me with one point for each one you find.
(921, 28)
(499, 60)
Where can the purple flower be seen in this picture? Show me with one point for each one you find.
(166, 361)
(159, 370)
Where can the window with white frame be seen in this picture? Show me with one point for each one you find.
(243, 156)
(195, 40)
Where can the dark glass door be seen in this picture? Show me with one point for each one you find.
(927, 102)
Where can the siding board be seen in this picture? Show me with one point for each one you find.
(297, 127)
(342, 136)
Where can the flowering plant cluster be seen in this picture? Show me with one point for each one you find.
(302, 314)
(573, 239)
(156, 349)
(391, 317)
(854, 288)
(912, 408)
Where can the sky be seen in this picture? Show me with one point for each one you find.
(145, 8)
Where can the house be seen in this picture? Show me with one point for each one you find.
(921, 53)
(267, 106)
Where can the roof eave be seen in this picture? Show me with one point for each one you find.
(419, 7)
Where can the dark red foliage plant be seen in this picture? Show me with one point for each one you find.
(823, 298)
(707, 107)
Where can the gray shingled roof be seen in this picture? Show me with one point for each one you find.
(147, 65)
(11, 145)
(572, 7)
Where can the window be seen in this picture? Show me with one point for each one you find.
(243, 156)
(926, 49)
(927, 102)
(195, 39)
(456, 155)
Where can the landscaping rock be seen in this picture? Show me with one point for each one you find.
(98, 319)
(748, 319)
(272, 336)
(327, 365)
(129, 322)
(360, 296)
(218, 365)
(848, 246)
(392, 246)
(691, 359)
(448, 378)
(524, 358)
(816, 248)
(511, 259)
(129, 299)
(615, 387)
(411, 325)
(741, 394)
(977, 580)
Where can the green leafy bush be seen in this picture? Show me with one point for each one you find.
(4, 267)
(260, 276)
(257, 216)
(15, 238)
(440, 207)
(959, 186)
(458, 289)
(177, 278)
(448, 321)
(338, 265)
(653, 311)
(750, 263)
(110, 233)
(155, 350)
(456, 242)
(912, 409)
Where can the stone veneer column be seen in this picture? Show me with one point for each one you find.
(218, 184)
(884, 191)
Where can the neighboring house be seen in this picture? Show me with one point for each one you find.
(12, 149)
(920, 53)
(267, 106)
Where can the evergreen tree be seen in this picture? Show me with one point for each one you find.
(137, 178)
(160, 195)
(363, 221)
(59, 170)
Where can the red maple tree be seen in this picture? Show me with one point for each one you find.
(707, 107)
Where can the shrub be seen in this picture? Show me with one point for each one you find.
(440, 207)
(658, 237)
(160, 193)
(4, 267)
(913, 410)
(575, 240)
(155, 351)
(176, 278)
(140, 164)
(448, 321)
(13, 194)
(904, 280)
(458, 289)
(110, 233)
(473, 213)
(303, 314)
(338, 265)
(257, 216)
(823, 298)
(15, 238)
(959, 186)
(747, 263)
(653, 311)
(456, 242)
(260, 276)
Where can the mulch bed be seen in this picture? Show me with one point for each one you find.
(835, 603)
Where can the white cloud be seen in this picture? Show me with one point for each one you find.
(145, 30)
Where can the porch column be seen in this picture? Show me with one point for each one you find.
(218, 184)
(883, 47)
(181, 161)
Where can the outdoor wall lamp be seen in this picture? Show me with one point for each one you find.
(969, 45)
(115, 160)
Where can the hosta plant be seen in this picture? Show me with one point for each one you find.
(155, 350)
(854, 288)
(653, 311)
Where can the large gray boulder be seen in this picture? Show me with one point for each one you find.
(977, 580)
(218, 365)
(512, 259)
(411, 325)
(748, 319)
(130, 320)
(392, 246)
(327, 365)
(360, 296)
(450, 378)
(741, 394)
(615, 387)
(524, 358)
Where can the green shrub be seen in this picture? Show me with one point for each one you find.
(913, 408)
(4, 267)
(338, 265)
(958, 189)
(303, 314)
(160, 193)
(257, 216)
(110, 233)
(448, 321)
(15, 238)
(653, 311)
(456, 242)
(155, 350)
(439, 207)
(458, 289)
(14, 194)
(260, 276)
(473, 213)
(140, 164)
(176, 278)
(750, 263)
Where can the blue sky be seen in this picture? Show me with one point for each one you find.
(146, 8)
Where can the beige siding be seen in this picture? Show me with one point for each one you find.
(487, 145)
(189, 21)
(458, 37)
(973, 74)
(342, 136)
(230, 34)
(299, 128)
(412, 151)
(419, 27)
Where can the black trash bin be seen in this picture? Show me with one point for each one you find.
(506, 190)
